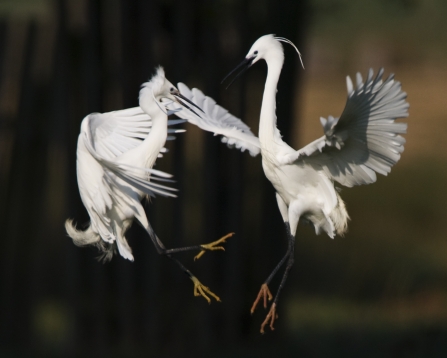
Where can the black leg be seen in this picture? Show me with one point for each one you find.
(202, 248)
(271, 316)
(181, 249)
(199, 288)
(264, 292)
(289, 250)
(288, 267)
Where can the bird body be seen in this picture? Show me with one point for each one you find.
(115, 157)
(301, 191)
(362, 141)
(307, 194)
(131, 141)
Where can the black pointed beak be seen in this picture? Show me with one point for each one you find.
(181, 99)
(242, 67)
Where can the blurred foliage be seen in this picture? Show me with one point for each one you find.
(21, 9)
(400, 32)
(398, 21)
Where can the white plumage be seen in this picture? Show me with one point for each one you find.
(219, 121)
(115, 155)
(365, 140)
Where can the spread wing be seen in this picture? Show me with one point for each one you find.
(114, 133)
(365, 140)
(100, 190)
(103, 137)
(218, 120)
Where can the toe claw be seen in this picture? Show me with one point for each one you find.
(212, 246)
(271, 317)
(265, 294)
(201, 290)
(199, 255)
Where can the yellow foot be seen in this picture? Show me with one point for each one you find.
(264, 292)
(271, 316)
(212, 246)
(201, 290)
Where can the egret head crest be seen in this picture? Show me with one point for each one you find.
(267, 47)
(283, 39)
(157, 84)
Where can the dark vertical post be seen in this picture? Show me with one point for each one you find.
(23, 196)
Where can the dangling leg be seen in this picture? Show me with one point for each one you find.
(199, 288)
(271, 316)
(264, 292)
(294, 214)
(213, 246)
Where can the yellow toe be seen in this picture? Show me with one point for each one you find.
(213, 246)
(201, 290)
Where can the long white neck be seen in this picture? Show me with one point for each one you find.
(267, 125)
(150, 148)
(145, 154)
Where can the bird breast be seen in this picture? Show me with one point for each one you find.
(303, 183)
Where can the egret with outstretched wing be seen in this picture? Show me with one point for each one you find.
(115, 155)
(365, 140)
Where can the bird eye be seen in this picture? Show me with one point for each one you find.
(172, 89)
(256, 52)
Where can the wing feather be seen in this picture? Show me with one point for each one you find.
(134, 176)
(365, 139)
(114, 133)
(217, 120)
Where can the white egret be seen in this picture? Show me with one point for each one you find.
(363, 141)
(115, 155)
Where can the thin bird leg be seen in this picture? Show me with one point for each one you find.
(288, 252)
(264, 292)
(272, 316)
(203, 248)
(199, 288)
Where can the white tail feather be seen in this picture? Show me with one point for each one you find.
(81, 238)
(340, 217)
(90, 237)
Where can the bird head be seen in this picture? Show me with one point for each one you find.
(159, 88)
(267, 47)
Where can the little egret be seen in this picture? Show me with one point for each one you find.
(115, 155)
(362, 141)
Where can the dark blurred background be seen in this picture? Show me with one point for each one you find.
(381, 291)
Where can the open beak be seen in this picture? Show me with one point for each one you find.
(242, 67)
(182, 100)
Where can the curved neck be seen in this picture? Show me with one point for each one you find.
(156, 139)
(267, 124)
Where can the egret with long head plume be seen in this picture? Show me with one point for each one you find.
(115, 155)
(363, 141)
